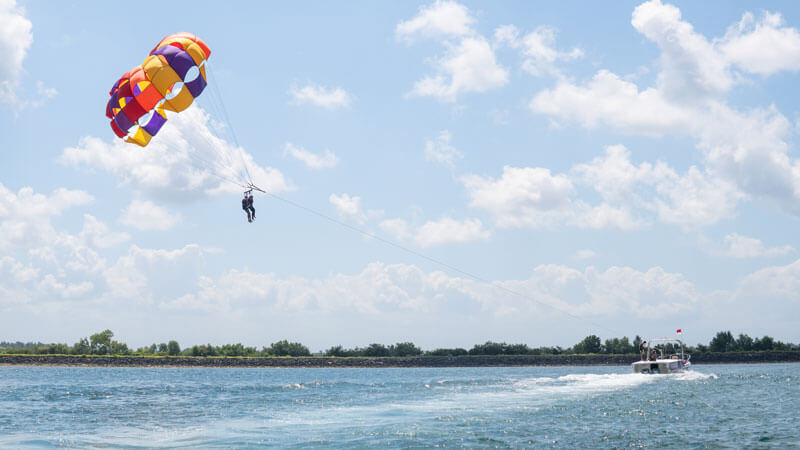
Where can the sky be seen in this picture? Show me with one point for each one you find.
(444, 173)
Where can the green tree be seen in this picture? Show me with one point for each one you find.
(405, 349)
(766, 343)
(336, 350)
(81, 347)
(617, 346)
(589, 344)
(488, 348)
(119, 348)
(744, 343)
(173, 348)
(722, 342)
(448, 352)
(376, 350)
(286, 348)
(101, 342)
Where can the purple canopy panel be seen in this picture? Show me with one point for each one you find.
(178, 59)
(196, 86)
(155, 123)
(123, 122)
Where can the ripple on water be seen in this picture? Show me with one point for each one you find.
(728, 406)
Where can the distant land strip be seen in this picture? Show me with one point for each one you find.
(377, 362)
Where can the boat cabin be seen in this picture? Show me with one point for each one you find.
(662, 356)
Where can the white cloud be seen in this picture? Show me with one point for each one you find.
(389, 289)
(607, 100)
(764, 47)
(522, 196)
(348, 207)
(697, 199)
(185, 161)
(690, 200)
(746, 153)
(314, 161)
(147, 216)
(469, 66)
(321, 96)
(397, 228)
(585, 254)
(25, 216)
(96, 234)
(150, 276)
(450, 231)
(15, 39)
(538, 49)
(632, 196)
(738, 246)
(691, 68)
(440, 150)
(442, 18)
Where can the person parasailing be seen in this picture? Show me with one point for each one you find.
(252, 210)
(247, 203)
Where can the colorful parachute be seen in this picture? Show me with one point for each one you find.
(170, 78)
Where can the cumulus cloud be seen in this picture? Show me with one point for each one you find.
(450, 231)
(321, 96)
(762, 47)
(442, 18)
(522, 196)
(15, 39)
(151, 276)
(314, 161)
(689, 200)
(746, 154)
(389, 289)
(434, 233)
(469, 66)
(96, 234)
(349, 207)
(185, 161)
(440, 150)
(25, 217)
(691, 67)
(147, 216)
(631, 196)
(738, 246)
(538, 49)
(608, 100)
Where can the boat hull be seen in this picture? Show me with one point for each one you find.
(660, 366)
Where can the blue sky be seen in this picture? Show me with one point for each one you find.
(444, 173)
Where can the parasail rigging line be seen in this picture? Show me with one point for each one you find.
(218, 93)
(438, 262)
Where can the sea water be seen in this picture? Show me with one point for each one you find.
(724, 406)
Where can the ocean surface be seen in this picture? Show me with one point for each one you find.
(721, 406)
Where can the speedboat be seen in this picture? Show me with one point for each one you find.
(663, 356)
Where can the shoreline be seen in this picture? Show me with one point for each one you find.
(378, 362)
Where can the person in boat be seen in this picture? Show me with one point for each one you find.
(252, 211)
(653, 355)
(642, 351)
(246, 207)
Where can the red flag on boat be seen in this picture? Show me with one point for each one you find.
(679, 331)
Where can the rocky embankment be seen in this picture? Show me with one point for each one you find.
(423, 361)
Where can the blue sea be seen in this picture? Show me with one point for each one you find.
(721, 406)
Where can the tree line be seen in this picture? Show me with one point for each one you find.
(103, 343)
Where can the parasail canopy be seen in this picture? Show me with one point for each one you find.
(169, 79)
